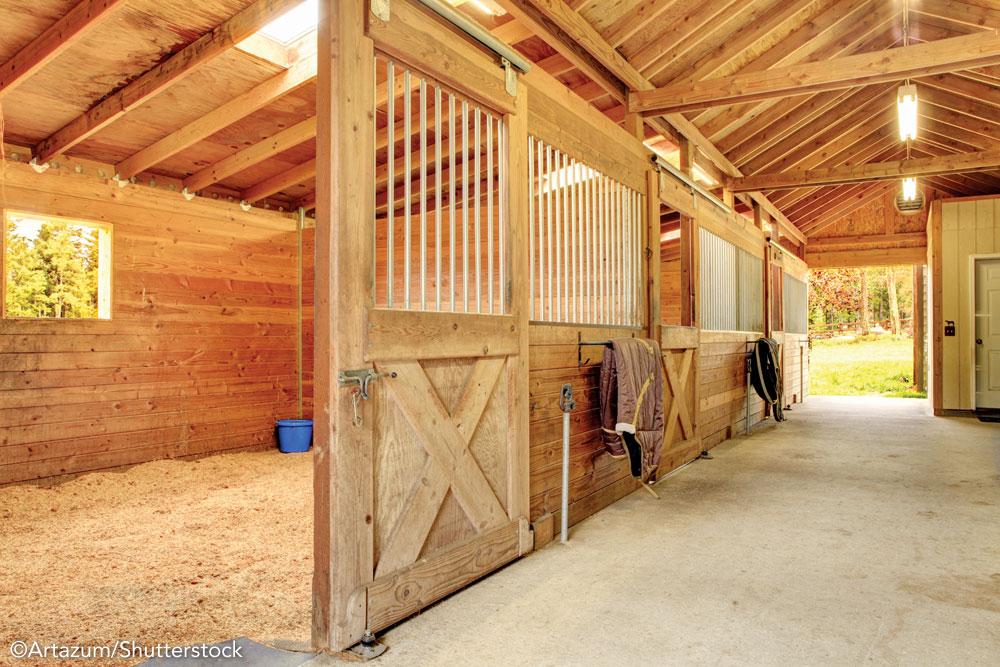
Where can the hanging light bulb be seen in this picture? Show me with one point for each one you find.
(909, 189)
(906, 102)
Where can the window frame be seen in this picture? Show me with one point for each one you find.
(105, 268)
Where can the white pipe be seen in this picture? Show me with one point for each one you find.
(565, 479)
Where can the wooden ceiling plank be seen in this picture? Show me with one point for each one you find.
(856, 201)
(219, 118)
(932, 107)
(64, 33)
(848, 71)
(974, 15)
(751, 23)
(631, 22)
(157, 79)
(679, 29)
(959, 84)
(286, 179)
(251, 155)
(826, 133)
(975, 109)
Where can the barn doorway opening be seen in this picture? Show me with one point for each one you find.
(866, 331)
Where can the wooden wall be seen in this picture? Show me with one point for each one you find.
(722, 387)
(308, 292)
(199, 355)
(795, 367)
(596, 480)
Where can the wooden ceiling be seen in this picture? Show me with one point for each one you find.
(137, 84)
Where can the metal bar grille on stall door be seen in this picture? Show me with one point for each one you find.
(585, 241)
(440, 217)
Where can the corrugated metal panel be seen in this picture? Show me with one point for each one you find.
(796, 306)
(751, 292)
(718, 283)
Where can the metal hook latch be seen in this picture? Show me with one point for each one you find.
(362, 378)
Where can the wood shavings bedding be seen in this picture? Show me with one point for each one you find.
(168, 552)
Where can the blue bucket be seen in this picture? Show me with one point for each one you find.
(294, 435)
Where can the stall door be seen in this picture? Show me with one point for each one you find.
(988, 333)
(449, 452)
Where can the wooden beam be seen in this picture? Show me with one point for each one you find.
(946, 55)
(251, 155)
(903, 237)
(156, 80)
(58, 37)
(343, 535)
(876, 257)
(286, 179)
(221, 117)
(878, 171)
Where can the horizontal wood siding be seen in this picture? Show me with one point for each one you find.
(200, 353)
(722, 386)
(308, 293)
(795, 367)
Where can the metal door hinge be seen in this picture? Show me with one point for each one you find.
(380, 8)
(510, 77)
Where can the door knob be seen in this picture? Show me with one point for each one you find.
(979, 341)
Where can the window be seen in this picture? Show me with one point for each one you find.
(586, 239)
(731, 286)
(56, 268)
(441, 233)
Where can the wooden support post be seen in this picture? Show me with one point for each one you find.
(728, 198)
(653, 256)
(635, 126)
(934, 307)
(758, 218)
(918, 328)
(343, 532)
(689, 247)
(518, 198)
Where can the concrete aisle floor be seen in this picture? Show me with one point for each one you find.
(861, 531)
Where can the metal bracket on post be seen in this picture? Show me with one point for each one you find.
(380, 8)
(510, 77)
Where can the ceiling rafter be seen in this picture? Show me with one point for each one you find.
(157, 79)
(295, 176)
(73, 26)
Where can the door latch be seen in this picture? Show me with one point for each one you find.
(362, 378)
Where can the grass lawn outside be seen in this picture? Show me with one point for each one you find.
(871, 366)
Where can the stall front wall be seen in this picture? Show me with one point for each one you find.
(795, 338)
(722, 386)
(960, 229)
(199, 354)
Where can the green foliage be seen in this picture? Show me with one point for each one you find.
(863, 366)
(52, 273)
(835, 294)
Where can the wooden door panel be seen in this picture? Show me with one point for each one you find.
(457, 413)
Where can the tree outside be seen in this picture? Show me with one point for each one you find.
(860, 325)
(51, 268)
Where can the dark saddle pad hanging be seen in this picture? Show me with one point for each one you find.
(765, 375)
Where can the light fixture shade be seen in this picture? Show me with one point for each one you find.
(906, 102)
(909, 189)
